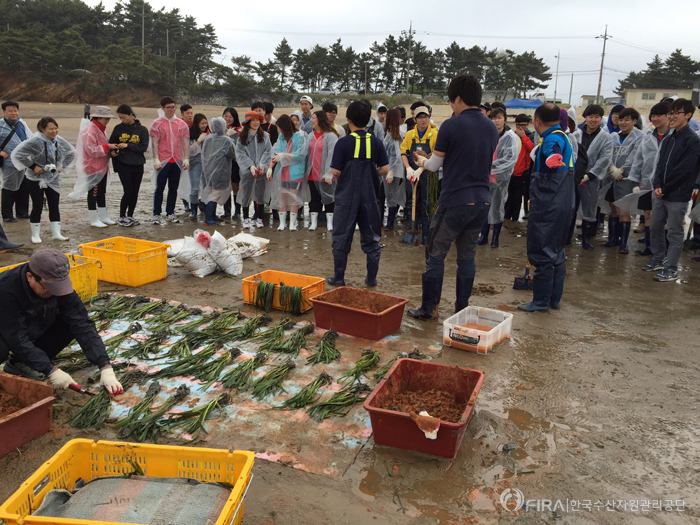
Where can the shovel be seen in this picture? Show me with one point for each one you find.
(523, 282)
(411, 236)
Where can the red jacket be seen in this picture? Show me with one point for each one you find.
(95, 149)
(524, 158)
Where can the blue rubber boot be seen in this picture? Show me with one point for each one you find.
(484, 238)
(541, 295)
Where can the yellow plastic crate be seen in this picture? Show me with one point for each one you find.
(131, 262)
(83, 274)
(87, 459)
(310, 287)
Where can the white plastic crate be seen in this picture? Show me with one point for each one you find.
(477, 329)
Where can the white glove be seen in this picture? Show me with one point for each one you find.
(585, 179)
(269, 173)
(615, 173)
(695, 194)
(415, 174)
(201, 138)
(156, 164)
(636, 189)
(185, 164)
(390, 177)
(253, 169)
(60, 380)
(230, 132)
(109, 381)
(328, 179)
(420, 160)
(409, 174)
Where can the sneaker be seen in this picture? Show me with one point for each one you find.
(134, 222)
(247, 223)
(259, 223)
(666, 275)
(172, 218)
(22, 370)
(124, 221)
(155, 219)
(652, 266)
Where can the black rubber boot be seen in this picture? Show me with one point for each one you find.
(613, 232)
(464, 292)
(624, 228)
(496, 234)
(484, 237)
(541, 297)
(432, 288)
(647, 243)
(5, 244)
(586, 230)
(557, 293)
(372, 269)
(340, 263)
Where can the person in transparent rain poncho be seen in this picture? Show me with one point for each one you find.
(321, 144)
(253, 154)
(92, 165)
(15, 192)
(198, 133)
(218, 152)
(617, 184)
(504, 159)
(286, 184)
(641, 172)
(392, 190)
(44, 158)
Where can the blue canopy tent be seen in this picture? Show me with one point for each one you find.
(518, 103)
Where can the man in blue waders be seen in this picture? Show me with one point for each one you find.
(359, 160)
(551, 210)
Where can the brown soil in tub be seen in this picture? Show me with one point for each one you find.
(437, 403)
(362, 300)
(9, 404)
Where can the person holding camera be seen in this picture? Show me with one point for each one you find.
(94, 152)
(44, 157)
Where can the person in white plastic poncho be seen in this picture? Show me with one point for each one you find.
(218, 153)
(318, 172)
(15, 192)
(617, 184)
(253, 154)
(44, 158)
(392, 189)
(504, 160)
(92, 165)
(286, 185)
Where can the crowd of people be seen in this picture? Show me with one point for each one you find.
(624, 166)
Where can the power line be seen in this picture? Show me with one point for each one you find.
(508, 37)
(305, 33)
(637, 46)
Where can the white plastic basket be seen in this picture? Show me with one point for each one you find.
(477, 329)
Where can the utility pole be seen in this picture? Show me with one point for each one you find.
(409, 55)
(143, 32)
(556, 78)
(167, 42)
(571, 89)
(365, 78)
(602, 63)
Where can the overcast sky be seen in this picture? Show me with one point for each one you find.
(437, 24)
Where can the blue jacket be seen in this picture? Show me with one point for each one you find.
(554, 141)
(299, 151)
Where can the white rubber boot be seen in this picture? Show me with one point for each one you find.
(292, 221)
(104, 217)
(329, 221)
(56, 232)
(314, 221)
(35, 232)
(283, 221)
(94, 221)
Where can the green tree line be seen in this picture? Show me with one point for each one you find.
(678, 71)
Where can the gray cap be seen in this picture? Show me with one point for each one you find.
(102, 112)
(54, 269)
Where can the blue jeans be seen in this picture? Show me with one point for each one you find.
(461, 224)
(170, 175)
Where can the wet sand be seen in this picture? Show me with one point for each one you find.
(600, 399)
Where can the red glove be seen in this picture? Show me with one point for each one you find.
(554, 161)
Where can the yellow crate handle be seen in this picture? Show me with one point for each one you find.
(128, 257)
(233, 519)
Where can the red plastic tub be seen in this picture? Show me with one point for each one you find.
(353, 321)
(30, 422)
(397, 429)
